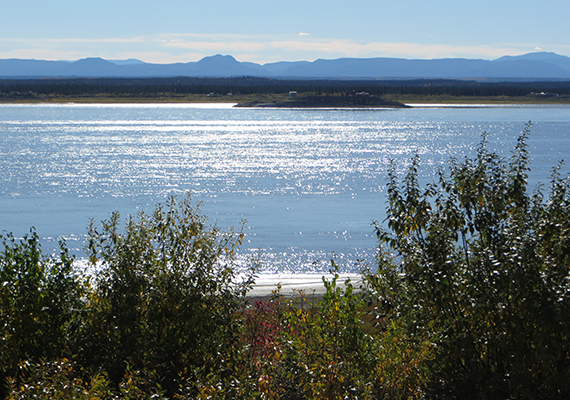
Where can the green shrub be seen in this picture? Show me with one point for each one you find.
(56, 380)
(330, 344)
(478, 267)
(332, 349)
(164, 295)
(63, 380)
(340, 349)
(39, 302)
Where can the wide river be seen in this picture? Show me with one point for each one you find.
(308, 182)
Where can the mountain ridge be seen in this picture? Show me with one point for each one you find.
(537, 65)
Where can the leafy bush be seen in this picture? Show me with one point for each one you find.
(56, 380)
(330, 344)
(62, 380)
(478, 267)
(331, 349)
(39, 302)
(161, 304)
(165, 294)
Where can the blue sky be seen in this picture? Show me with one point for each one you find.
(262, 31)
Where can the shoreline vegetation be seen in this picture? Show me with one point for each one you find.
(469, 299)
(259, 91)
(261, 100)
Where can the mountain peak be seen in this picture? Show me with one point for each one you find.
(129, 61)
(218, 58)
(93, 61)
(545, 56)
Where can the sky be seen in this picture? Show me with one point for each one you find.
(264, 31)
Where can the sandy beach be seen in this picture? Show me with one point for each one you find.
(293, 284)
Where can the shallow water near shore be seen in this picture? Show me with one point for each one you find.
(308, 182)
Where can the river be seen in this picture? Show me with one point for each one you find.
(309, 183)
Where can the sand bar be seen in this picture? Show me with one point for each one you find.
(292, 284)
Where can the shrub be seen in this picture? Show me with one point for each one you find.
(39, 301)
(330, 345)
(340, 348)
(165, 294)
(331, 349)
(63, 380)
(478, 267)
(56, 380)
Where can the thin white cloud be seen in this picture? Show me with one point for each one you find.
(211, 37)
(304, 34)
(385, 49)
(217, 46)
(286, 49)
(158, 57)
(42, 54)
(560, 49)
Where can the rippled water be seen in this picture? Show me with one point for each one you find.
(308, 182)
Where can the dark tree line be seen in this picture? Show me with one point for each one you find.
(257, 85)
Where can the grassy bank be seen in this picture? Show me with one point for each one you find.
(157, 98)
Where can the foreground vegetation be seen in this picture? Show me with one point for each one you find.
(470, 300)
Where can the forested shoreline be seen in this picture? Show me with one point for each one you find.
(185, 87)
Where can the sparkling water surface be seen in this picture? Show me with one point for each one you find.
(309, 183)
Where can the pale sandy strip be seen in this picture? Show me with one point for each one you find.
(291, 284)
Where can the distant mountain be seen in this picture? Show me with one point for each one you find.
(545, 57)
(541, 65)
(130, 61)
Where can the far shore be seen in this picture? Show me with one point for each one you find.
(405, 99)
